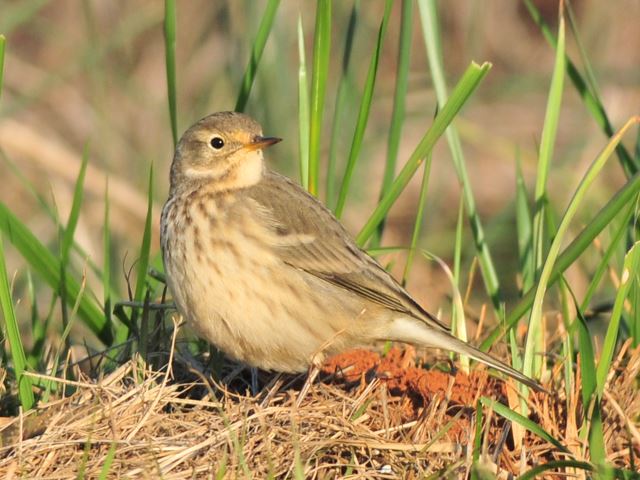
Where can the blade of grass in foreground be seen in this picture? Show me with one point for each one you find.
(539, 470)
(590, 98)
(69, 232)
(629, 272)
(530, 425)
(48, 267)
(545, 275)
(429, 18)
(532, 365)
(606, 214)
(142, 263)
(399, 96)
(321, 50)
(170, 62)
(106, 266)
(363, 114)
(256, 54)
(13, 335)
(417, 225)
(523, 227)
(2, 48)
(461, 93)
(303, 110)
(342, 104)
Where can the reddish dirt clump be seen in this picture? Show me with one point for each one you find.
(398, 369)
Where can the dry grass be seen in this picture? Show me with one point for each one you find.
(175, 423)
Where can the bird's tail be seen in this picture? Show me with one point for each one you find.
(413, 331)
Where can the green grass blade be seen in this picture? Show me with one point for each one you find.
(539, 470)
(429, 19)
(170, 61)
(142, 263)
(106, 267)
(417, 225)
(105, 471)
(547, 143)
(3, 42)
(605, 216)
(603, 266)
(477, 437)
(145, 248)
(629, 273)
(303, 109)
(321, 52)
(48, 267)
(587, 356)
(590, 98)
(25, 392)
(74, 215)
(69, 231)
(458, 325)
(545, 275)
(343, 100)
(524, 422)
(461, 93)
(363, 114)
(532, 364)
(399, 98)
(256, 54)
(524, 231)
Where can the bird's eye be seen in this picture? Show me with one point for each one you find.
(217, 143)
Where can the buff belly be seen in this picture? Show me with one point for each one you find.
(235, 293)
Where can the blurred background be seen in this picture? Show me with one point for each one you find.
(93, 73)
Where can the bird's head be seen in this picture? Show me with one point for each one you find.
(224, 149)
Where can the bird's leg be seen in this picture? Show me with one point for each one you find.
(314, 370)
(254, 381)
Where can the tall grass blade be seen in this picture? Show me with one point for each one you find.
(256, 54)
(605, 215)
(25, 392)
(142, 263)
(629, 275)
(429, 18)
(399, 98)
(363, 114)
(549, 131)
(417, 225)
(539, 470)
(3, 42)
(545, 275)
(590, 98)
(170, 62)
(617, 236)
(343, 101)
(69, 232)
(524, 231)
(303, 109)
(526, 423)
(106, 266)
(458, 325)
(461, 93)
(74, 214)
(48, 267)
(321, 51)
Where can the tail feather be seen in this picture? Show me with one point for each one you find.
(410, 330)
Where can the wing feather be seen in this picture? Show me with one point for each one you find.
(313, 240)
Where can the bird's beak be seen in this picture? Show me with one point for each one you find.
(259, 143)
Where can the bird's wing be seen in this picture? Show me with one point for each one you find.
(313, 240)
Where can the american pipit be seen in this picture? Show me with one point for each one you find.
(261, 269)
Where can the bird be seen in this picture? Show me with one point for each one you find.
(262, 270)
